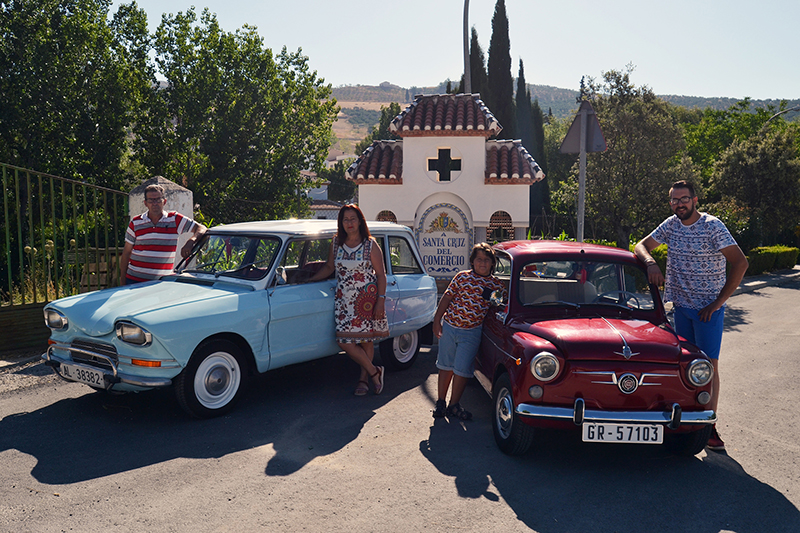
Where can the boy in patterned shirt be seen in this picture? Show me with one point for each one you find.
(458, 324)
(698, 246)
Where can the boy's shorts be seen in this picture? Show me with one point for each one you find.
(458, 348)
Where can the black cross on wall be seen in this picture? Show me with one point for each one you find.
(444, 164)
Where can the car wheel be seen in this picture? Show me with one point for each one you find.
(399, 353)
(213, 381)
(689, 444)
(513, 436)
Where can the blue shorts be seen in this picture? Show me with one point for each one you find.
(458, 348)
(705, 335)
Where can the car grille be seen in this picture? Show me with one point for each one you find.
(100, 348)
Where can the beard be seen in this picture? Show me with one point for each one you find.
(686, 213)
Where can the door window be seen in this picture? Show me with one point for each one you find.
(402, 257)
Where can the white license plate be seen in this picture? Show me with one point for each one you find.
(83, 375)
(625, 433)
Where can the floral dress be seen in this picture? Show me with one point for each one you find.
(356, 295)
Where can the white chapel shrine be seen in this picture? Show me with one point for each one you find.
(447, 180)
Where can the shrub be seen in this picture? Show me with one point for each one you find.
(786, 257)
(762, 259)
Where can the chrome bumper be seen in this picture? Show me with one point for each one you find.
(110, 379)
(579, 414)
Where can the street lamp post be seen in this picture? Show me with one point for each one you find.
(467, 74)
(779, 113)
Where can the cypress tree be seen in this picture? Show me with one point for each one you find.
(524, 124)
(477, 66)
(500, 97)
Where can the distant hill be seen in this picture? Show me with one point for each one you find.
(361, 105)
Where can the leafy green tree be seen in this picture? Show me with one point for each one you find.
(626, 185)
(340, 189)
(235, 123)
(500, 89)
(561, 203)
(72, 82)
(761, 173)
(710, 132)
(381, 131)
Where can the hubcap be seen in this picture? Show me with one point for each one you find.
(505, 413)
(405, 346)
(217, 380)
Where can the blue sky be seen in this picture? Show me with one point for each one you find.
(709, 48)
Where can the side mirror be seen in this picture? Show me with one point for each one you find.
(280, 276)
(496, 300)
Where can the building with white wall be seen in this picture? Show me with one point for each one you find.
(447, 180)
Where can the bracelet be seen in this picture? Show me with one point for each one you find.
(381, 296)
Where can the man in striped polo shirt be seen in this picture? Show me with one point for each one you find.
(152, 239)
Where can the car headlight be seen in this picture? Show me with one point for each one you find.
(700, 372)
(133, 334)
(55, 320)
(545, 366)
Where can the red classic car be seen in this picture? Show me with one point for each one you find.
(583, 342)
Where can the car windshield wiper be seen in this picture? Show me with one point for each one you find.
(237, 269)
(198, 267)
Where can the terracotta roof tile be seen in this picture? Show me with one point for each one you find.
(381, 163)
(509, 163)
(446, 114)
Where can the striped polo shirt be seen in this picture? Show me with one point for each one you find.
(154, 245)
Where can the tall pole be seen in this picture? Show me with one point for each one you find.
(467, 75)
(582, 175)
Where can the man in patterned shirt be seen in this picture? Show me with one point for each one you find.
(152, 239)
(698, 246)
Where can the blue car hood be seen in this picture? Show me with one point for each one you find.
(95, 313)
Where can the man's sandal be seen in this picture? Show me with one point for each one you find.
(456, 411)
(440, 410)
(378, 372)
(362, 389)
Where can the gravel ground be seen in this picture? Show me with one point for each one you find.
(24, 369)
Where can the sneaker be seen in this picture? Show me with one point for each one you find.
(715, 443)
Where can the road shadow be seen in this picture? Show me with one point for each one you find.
(734, 317)
(564, 485)
(304, 411)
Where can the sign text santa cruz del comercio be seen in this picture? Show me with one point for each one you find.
(445, 240)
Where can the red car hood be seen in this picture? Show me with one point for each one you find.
(611, 338)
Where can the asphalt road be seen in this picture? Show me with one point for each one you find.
(303, 454)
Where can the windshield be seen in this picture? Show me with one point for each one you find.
(547, 283)
(235, 255)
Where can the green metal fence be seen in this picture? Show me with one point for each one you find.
(57, 237)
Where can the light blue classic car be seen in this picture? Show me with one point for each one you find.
(241, 304)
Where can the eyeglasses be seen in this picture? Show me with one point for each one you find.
(681, 200)
(154, 200)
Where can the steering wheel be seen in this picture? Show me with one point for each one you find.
(626, 294)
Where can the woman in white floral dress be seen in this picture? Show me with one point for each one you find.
(360, 294)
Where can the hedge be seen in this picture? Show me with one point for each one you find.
(767, 258)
